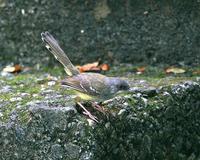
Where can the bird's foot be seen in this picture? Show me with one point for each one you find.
(87, 113)
(98, 107)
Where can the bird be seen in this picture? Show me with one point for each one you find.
(89, 86)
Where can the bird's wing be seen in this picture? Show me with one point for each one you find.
(73, 83)
(89, 83)
(53, 46)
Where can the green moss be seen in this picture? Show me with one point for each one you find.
(24, 116)
(55, 71)
(20, 79)
(67, 92)
(148, 127)
(167, 127)
(28, 83)
(7, 110)
(6, 96)
(31, 89)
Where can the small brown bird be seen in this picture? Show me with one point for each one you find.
(92, 85)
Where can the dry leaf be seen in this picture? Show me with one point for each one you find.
(101, 10)
(13, 69)
(104, 67)
(197, 72)
(174, 70)
(26, 69)
(90, 67)
(141, 69)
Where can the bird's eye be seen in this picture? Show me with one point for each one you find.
(123, 87)
(120, 87)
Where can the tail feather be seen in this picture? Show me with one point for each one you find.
(53, 46)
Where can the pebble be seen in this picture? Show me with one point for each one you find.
(90, 122)
(14, 99)
(125, 104)
(58, 96)
(21, 85)
(52, 78)
(6, 74)
(166, 93)
(107, 125)
(145, 101)
(19, 106)
(25, 94)
(48, 91)
(34, 102)
(5, 89)
(51, 83)
(35, 95)
(121, 112)
(146, 13)
(40, 80)
(42, 87)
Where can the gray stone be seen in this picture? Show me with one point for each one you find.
(135, 126)
(132, 31)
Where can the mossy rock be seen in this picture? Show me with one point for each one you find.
(157, 119)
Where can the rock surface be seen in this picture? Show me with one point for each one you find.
(148, 122)
(116, 31)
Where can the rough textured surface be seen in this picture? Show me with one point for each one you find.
(161, 127)
(48, 134)
(157, 119)
(127, 31)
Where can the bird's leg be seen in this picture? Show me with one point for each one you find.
(98, 107)
(87, 113)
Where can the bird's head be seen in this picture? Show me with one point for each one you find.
(117, 84)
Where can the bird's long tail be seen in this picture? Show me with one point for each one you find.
(53, 46)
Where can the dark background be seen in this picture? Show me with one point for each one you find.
(125, 31)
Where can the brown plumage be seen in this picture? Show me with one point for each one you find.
(93, 84)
